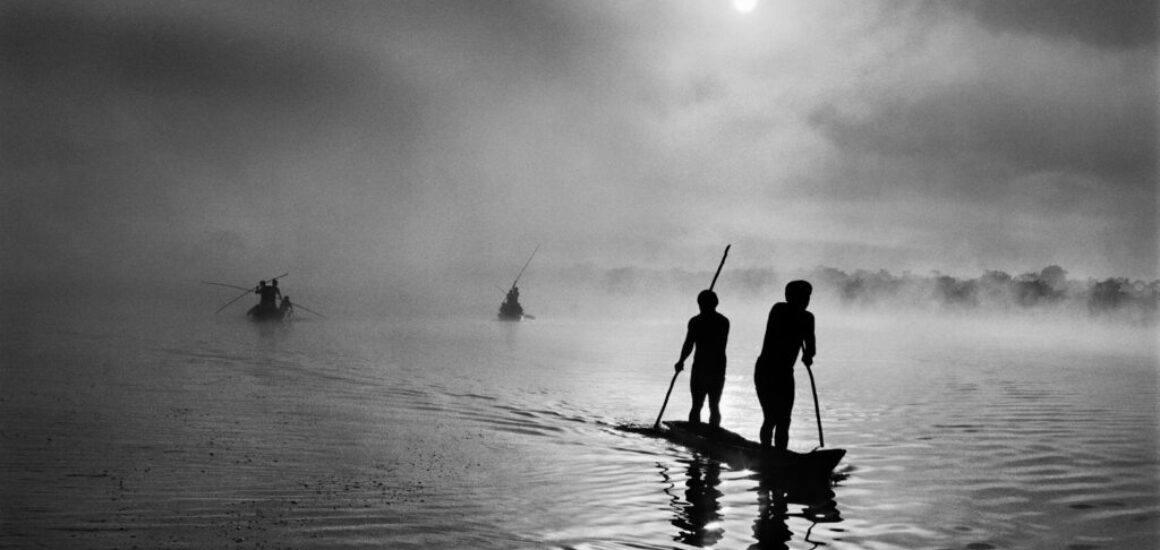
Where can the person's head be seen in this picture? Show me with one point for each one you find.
(261, 283)
(275, 282)
(797, 293)
(707, 300)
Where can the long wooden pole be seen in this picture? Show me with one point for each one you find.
(521, 273)
(297, 305)
(227, 285)
(657, 425)
(817, 409)
(248, 291)
(719, 266)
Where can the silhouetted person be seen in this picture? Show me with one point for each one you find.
(790, 329)
(268, 297)
(511, 307)
(287, 308)
(708, 333)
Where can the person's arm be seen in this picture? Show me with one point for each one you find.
(767, 338)
(686, 348)
(725, 340)
(809, 345)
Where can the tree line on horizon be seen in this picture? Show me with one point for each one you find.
(1048, 289)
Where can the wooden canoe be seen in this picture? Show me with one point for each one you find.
(735, 450)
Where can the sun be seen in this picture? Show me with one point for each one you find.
(744, 6)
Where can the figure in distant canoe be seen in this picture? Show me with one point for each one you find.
(268, 296)
(286, 309)
(511, 308)
(708, 333)
(790, 329)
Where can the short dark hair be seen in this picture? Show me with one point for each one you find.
(796, 290)
(707, 298)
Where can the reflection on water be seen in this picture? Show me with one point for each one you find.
(697, 516)
(700, 517)
(774, 499)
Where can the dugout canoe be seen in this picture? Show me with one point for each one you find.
(268, 314)
(739, 452)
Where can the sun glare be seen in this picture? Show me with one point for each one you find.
(744, 6)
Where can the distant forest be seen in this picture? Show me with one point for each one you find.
(1130, 300)
(1046, 290)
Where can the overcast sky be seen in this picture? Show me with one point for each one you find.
(395, 140)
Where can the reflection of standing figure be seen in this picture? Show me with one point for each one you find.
(286, 309)
(704, 499)
(770, 528)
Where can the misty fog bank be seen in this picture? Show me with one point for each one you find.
(1047, 292)
(639, 299)
(634, 294)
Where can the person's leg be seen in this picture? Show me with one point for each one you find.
(768, 419)
(697, 387)
(715, 390)
(783, 412)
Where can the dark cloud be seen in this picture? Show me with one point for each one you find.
(978, 125)
(1102, 23)
(126, 132)
(167, 55)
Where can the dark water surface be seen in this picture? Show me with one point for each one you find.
(208, 432)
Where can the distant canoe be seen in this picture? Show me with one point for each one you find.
(510, 317)
(732, 448)
(510, 309)
(261, 314)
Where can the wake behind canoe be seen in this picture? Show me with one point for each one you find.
(739, 452)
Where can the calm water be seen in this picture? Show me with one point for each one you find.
(207, 432)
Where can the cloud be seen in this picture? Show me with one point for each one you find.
(1077, 126)
(1121, 24)
(424, 141)
(132, 137)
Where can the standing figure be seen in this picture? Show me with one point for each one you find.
(511, 309)
(286, 309)
(267, 297)
(790, 329)
(708, 333)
